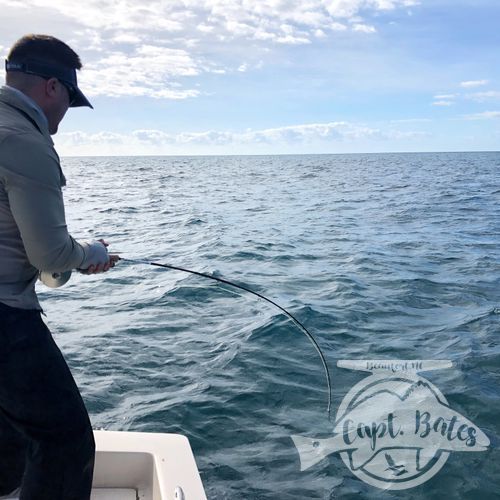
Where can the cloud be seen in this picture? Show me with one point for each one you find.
(445, 96)
(331, 136)
(147, 71)
(363, 28)
(234, 18)
(152, 136)
(126, 38)
(473, 83)
(18, 4)
(484, 96)
(292, 40)
(165, 42)
(351, 8)
(103, 137)
(485, 115)
(307, 133)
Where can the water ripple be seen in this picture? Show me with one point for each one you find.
(394, 256)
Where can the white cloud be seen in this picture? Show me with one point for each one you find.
(244, 67)
(332, 131)
(217, 71)
(148, 71)
(337, 26)
(350, 8)
(205, 28)
(169, 40)
(293, 40)
(445, 96)
(485, 115)
(18, 4)
(332, 136)
(473, 83)
(484, 96)
(126, 38)
(450, 99)
(79, 137)
(152, 136)
(239, 18)
(442, 103)
(210, 137)
(363, 28)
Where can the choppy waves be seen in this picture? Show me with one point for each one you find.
(380, 256)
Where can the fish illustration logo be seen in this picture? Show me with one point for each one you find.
(394, 429)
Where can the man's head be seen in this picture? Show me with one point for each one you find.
(44, 68)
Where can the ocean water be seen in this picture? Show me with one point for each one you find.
(384, 256)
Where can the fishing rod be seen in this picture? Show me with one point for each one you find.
(241, 287)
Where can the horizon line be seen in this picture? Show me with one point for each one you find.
(276, 154)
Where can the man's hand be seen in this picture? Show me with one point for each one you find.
(102, 267)
(113, 259)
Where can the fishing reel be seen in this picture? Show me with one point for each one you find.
(54, 280)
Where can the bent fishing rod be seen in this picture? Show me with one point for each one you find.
(244, 288)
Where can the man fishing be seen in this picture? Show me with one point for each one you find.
(46, 440)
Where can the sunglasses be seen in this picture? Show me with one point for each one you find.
(71, 91)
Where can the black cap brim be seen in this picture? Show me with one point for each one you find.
(49, 70)
(80, 100)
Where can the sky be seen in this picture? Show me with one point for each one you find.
(204, 77)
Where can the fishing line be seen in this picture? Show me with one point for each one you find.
(241, 287)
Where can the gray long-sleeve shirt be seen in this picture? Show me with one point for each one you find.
(33, 231)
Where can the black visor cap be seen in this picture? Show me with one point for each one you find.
(66, 75)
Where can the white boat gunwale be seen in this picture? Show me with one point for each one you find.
(158, 466)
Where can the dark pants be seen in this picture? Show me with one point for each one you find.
(46, 440)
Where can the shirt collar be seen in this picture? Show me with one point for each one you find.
(30, 102)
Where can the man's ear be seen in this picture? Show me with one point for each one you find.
(51, 87)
